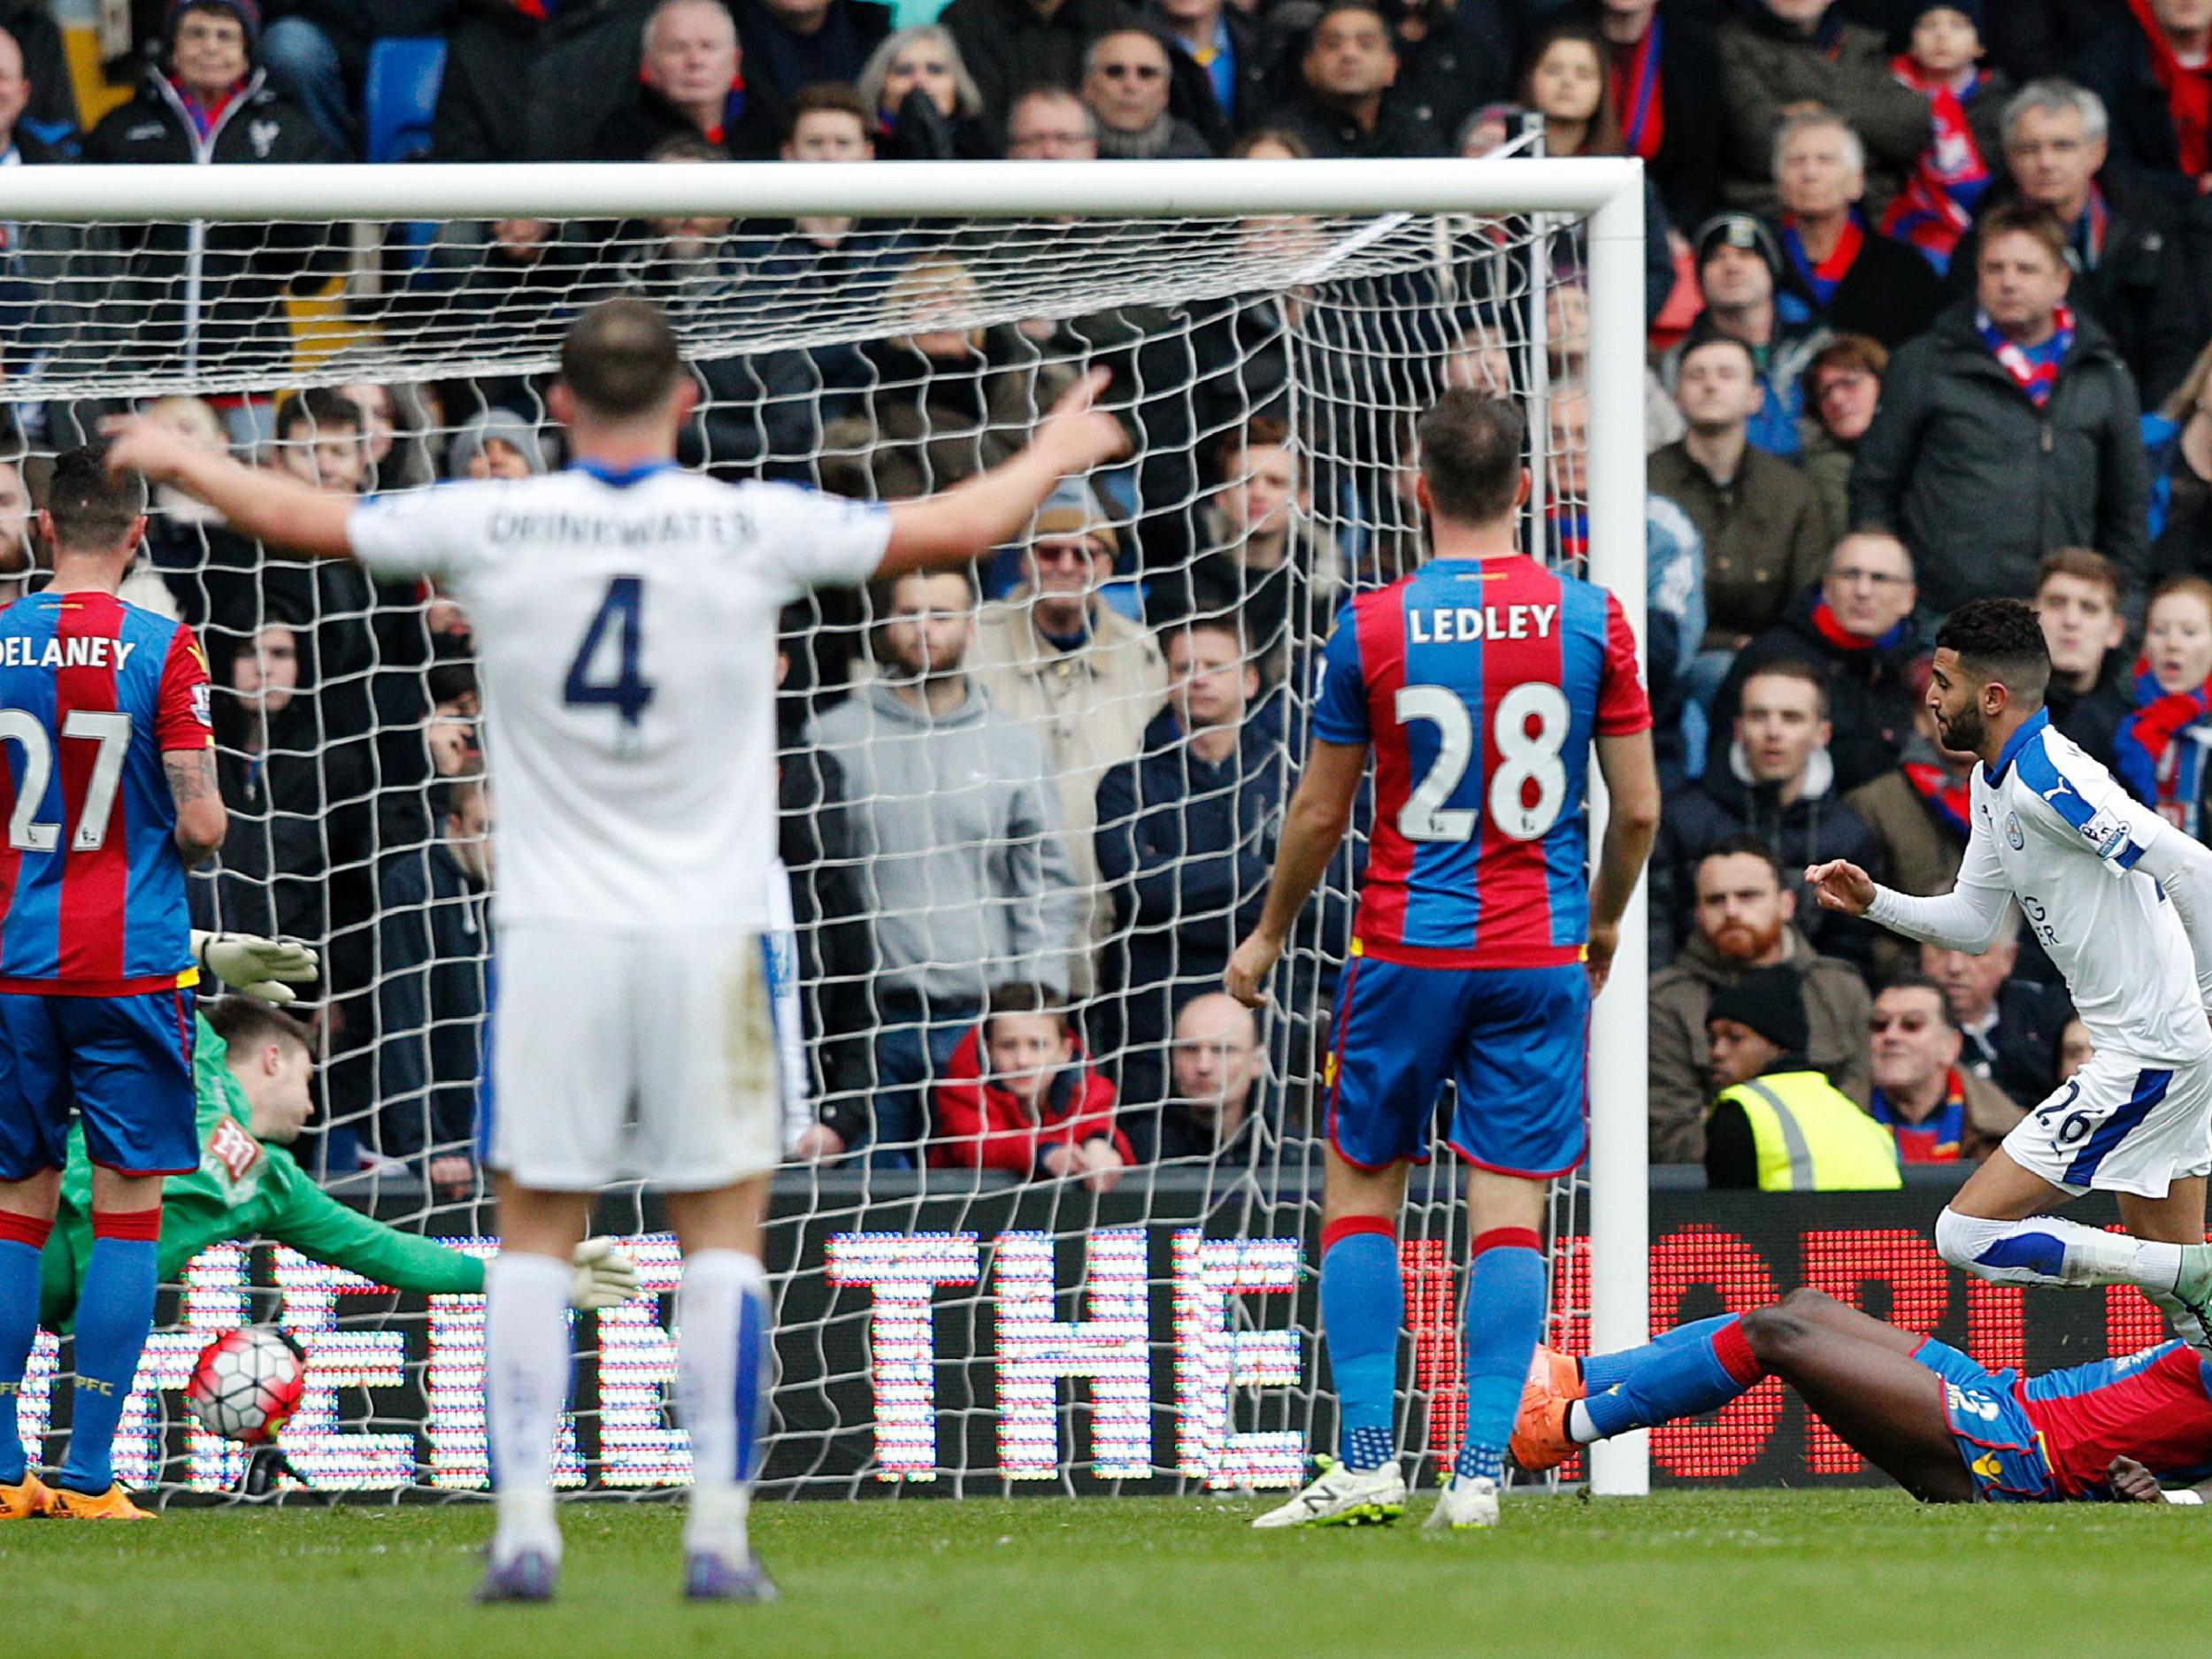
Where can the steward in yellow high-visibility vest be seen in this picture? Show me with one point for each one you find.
(1777, 1124)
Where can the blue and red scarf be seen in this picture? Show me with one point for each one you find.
(1935, 1137)
(2086, 237)
(205, 116)
(1638, 104)
(1821, 281)
(1571, 532)
(2161, 764)
(1948, 798)
(1936, 205)
(2034, 369)
(1826, 625)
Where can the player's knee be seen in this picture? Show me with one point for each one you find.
(1959, 1239)
(1806, 1301)
(1772, 1331)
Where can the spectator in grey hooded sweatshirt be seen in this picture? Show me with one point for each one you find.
(956, 843)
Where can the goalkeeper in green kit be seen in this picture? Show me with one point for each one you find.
(252, 1071)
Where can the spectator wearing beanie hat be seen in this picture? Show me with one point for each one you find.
(1738, 279)
(1777, 1124)
(495, 443)
(203, 102)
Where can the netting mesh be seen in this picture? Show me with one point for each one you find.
(932, 1313)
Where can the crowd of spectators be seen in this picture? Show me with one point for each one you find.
(1930, 293)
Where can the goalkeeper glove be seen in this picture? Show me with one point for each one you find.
(606, 1278)
(256, 967)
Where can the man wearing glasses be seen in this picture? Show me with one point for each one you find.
(1857, 628)
(1938, 1110)
(1125, 84)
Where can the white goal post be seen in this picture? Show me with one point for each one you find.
(1605, 197)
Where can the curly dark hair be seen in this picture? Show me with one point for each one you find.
(2000, 640)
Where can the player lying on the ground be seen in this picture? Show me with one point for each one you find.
(253, 1073)
(1945, 1428)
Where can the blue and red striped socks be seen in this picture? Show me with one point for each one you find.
(115, 1312)
(1691, 1370)
(21, 1239)
(1362, 1310)
(1504, 1319)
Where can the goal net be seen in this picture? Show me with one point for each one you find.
(956, 1310)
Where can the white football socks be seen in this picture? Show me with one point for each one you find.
(2051, 1251)
(723, 1358)
(526, 1364)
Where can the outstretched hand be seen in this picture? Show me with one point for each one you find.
(1840, 885)
(135, 444)
(1079, 434)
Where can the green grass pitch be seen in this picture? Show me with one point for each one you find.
(1705, 1573)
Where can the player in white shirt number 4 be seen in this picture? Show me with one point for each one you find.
(625, 616)
(2121, 901)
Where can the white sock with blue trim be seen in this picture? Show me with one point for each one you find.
(526, 1361)
(2051, 1251)
(722, 1368)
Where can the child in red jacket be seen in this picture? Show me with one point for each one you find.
(1019, 1097)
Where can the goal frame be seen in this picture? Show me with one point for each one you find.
(1608, 190)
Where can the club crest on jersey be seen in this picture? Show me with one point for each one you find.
(2012, 831)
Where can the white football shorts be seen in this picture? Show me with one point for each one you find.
(2121, 1125)
(630, 1057)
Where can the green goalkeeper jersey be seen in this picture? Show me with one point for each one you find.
(244, 1188)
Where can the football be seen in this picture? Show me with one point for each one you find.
(246, 1385)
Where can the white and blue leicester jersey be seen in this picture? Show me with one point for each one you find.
(2052, 828)
(625, 628)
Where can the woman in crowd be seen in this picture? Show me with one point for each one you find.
(1568, 83)
(927, 105)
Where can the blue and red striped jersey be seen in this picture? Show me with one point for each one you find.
(2154, 1407)
(92, 692)
(1481, 684)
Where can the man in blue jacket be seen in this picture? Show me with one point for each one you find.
(1185, 837)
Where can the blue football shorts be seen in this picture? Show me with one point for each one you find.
(1514, 1042)
(1999, 1445)
(124, 1063)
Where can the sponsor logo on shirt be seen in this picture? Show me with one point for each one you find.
(231, 1151)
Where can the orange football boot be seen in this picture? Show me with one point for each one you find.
(1562, 1373)
(114, 1504)
(1540, 1440)
(26, 1499)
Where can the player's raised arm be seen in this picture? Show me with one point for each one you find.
(1632, 823)
(970, 518)
(271, 507)
(1314, 826)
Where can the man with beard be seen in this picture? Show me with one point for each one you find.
(1743, 914)
(2119, 899)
